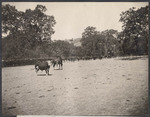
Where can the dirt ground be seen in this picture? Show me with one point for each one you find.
(93, 87)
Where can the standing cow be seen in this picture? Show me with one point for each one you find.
(42, 66)
(58, 61)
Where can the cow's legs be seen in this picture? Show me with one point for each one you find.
(61, 66)
(54, 65)
(47, 71)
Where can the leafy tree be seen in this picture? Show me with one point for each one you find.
(11, 19)
(89, 40)
(79, 52)
(110, 43)
(89, 32)
(96, 44)
(25, 31)
(62, 48)
(39, 23)
(135, 31)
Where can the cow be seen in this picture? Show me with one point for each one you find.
(57, 61)
(42, 65)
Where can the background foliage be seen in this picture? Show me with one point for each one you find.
(27, 35)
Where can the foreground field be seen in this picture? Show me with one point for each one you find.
(94, 87)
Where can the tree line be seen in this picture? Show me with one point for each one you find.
(28, 34)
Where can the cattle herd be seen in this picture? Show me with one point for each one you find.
(58, 61)
(44, 65)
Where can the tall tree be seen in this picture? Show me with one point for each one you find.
(89, 40)
(96, 44)
(110, 43)
(40, 24)
(135, 30)
(26, 30)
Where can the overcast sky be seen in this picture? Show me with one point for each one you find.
(73, 17)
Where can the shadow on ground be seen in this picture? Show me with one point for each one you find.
(44, 75)
(58, 69)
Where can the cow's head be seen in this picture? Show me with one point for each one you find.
(36, 68)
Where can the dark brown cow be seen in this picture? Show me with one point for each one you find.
(42, 66)
(58, 62)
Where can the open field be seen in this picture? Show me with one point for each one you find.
(93, 87)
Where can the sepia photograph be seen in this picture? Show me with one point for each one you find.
(75, 58)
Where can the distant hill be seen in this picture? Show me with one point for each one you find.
(76, 41)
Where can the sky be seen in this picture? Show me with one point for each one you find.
(73, 17)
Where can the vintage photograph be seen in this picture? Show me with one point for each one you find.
(75, 58)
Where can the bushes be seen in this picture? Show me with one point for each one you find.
(21, 62)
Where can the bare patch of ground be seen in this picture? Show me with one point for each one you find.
(94, 87)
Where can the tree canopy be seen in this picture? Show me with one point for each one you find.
(135, 30)
(25, 31)
(96, 44)
(28, 35)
